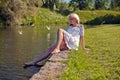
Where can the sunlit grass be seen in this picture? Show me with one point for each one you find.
(102, 62)
(45, 16)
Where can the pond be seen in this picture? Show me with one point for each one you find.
(22, 44)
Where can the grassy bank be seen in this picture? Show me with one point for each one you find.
(102, 62)
(99, 16)
(45, 16)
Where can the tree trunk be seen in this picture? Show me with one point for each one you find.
(80, 5)
(52, 4)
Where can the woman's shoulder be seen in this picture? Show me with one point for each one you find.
(81, 26)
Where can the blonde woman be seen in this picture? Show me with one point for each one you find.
(68, 39)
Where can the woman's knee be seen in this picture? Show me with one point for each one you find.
(60, 30)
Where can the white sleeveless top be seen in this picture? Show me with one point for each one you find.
(72, 36)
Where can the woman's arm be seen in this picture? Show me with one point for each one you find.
(82, 42)
(82, 39)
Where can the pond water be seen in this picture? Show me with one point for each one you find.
(22, 44)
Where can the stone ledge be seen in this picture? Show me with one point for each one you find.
(53, 67)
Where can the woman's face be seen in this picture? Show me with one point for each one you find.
(72, 21)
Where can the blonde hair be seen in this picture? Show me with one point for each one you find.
(74, 15)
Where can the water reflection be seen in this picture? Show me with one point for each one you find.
(23, 44)
(20, 31)
(48, 39)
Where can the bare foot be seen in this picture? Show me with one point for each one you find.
(55, 51)
(30, 63)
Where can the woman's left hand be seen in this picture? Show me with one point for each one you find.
(87, 50)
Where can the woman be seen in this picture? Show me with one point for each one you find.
(65, 39)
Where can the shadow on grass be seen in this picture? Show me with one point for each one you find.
(107, 19)
(64, 12)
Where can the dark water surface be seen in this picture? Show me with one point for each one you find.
(23, 44)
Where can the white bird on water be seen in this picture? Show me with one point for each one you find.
(20, 32)
(48, 27)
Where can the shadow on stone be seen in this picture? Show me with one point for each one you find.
(53, 67)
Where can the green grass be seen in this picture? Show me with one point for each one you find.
(44, 16)
(102, 62)
(47, 16)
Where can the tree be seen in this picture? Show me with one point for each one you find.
(107, 4)
(99, 4)
(81, 4)
(51, 4)
(91, 4)
(117, 2)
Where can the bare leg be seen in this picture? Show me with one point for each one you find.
(60, 44)
(42, 56)
(60, 39)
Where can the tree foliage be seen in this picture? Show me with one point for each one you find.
(81, 4)
(51, 4)
(95, 4)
